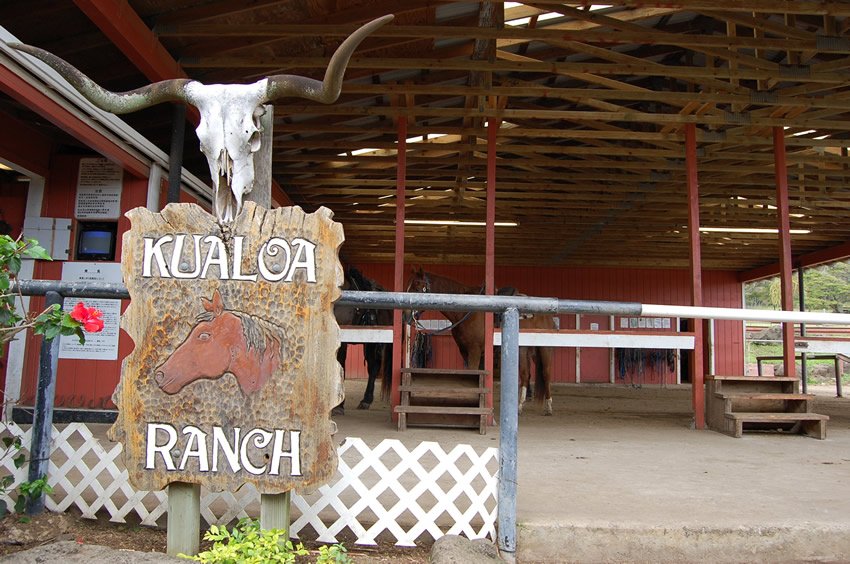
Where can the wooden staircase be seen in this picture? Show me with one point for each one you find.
(734, 404)
(443, 398)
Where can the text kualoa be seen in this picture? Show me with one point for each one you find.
(277, 260)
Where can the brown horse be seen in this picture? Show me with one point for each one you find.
(223, 342)
(378, 356)
(468, 333)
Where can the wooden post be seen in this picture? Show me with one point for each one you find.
(398, 276)
(490, 253)
(784, 226)
(175, 158)
(274, 511)
(183, 535)
(184, 519)
(801, 293)
(697, 386)
(274, 508)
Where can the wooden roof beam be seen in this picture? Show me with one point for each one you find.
(120, 23)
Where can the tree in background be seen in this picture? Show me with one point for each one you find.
(827, 289)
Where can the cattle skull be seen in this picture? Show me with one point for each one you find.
(229, 130)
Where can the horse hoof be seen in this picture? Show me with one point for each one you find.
(364, 405)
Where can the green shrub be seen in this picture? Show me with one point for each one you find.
(335, 554)
(248, 544)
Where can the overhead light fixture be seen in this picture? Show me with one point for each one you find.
(4, 167)
(750, 230)
(458, 222)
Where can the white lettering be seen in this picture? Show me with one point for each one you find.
(177, 256)
(236, 450)
(197, 447)
(164, 450)
(294, 454)
(272, 248)
(154, 251)
(305, 257)
(277, 260)
(220, 441)
(262, 439)
(216, 255)
(237, 262)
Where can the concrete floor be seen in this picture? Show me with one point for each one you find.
(617, 474)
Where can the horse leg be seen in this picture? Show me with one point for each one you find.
(523, 377)
(475, 358)
(545, 358)
(373, 364)
(341, 355)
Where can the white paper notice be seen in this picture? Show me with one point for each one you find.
(98, 190)
(98, 346)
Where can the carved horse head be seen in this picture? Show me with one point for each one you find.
(223, 342)
(229, 130)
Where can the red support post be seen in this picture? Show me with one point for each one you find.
(490, 252)
(785, 265)
(398, 280)
(697, 376)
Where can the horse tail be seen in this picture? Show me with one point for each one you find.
(540, 375)
(386, 370)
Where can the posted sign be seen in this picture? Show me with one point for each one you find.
(234, 372)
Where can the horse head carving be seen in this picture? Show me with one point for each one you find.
(229, 130)
(223, 342)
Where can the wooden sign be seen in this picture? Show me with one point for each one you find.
(234, 370)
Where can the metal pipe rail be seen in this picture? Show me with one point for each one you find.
(511, 306)
(476, 302)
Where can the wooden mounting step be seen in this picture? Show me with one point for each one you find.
(444, 398)
(444, 372)
(735, 403)
(715, 377)
(812, 424)
(443, 409)
(763, 396)
(758, 417)
(422, 391)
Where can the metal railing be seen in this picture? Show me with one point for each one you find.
(509, 306)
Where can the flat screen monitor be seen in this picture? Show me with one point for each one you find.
(96, 240)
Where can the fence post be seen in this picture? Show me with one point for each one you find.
(508, 428)
(42, 423)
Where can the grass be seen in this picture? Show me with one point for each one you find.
(754, 350)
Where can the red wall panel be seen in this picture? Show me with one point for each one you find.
(80, 383)
(658, 286)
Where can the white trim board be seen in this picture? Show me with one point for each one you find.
(601, 340)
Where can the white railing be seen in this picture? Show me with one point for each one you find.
(410, 494)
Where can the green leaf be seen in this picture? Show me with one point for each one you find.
(36, 251)
(14, 264)
(51, 332)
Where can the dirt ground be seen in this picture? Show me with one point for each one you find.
(19, 533)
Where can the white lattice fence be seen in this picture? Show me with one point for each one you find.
(386, 489)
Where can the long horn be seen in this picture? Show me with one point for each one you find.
(327, 91)
(114, 102)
